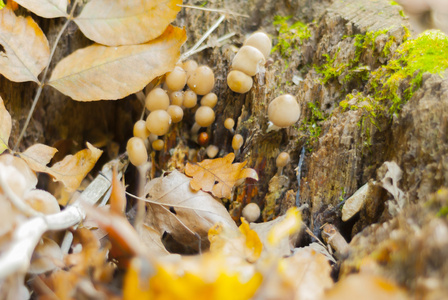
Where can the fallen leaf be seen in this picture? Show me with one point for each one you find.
(46, 8)
(25, 49)
(5, 126)
(47, 256)
(219, 175)
(287, 235)
(354, 204)
(366, 287)
(390, 182)
(151, 238)
(70, 171)
(185, 212)
(252, 241)
(99, 72)
(119, 22)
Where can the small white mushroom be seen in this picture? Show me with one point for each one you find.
(248, 60)
(261, 41)
(284, 111)
(251, 212)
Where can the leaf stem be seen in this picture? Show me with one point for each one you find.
(42, 82)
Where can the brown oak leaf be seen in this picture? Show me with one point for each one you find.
(219, 175)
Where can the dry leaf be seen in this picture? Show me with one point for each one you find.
(151, 238)
(47, 256)
(390, 182)
(70, 171)
(46, 8)
(99, 72)
(185, 212)
(5, 126)
(218, 175)
(118, 22)
(354, 204)
(366, 287)
(25, 49)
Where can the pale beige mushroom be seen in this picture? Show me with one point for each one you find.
(251, 212)
(202, 80)
(239, 82)
(137, 151)
(158, 122)
(284, 111)
(248, 60)
(261, 41)
(157, 99)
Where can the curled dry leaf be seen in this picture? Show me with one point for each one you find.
(42, 201)
(70, 171)
(47, 256)
(99, 72)
(46, 8)
(185, 212)
(219, 175)
(5, 126)
(25, 49)
(390, 182)
(115, 23)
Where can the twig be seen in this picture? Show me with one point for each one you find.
(42, 83)
(223, 11)
(28, 234)
(202, 39)
(219, 41)
(299, 175)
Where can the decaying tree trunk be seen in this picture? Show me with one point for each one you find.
(345, 155)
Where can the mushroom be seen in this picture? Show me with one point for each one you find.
(157, 99)
(158, 145)
(239, 82)
(228, 124)
(282, 160)
(212, 151)
(261, 41)
(136, 151)
(203, 138)
(251, 212)
(237, 143)
(190, 66)
(209, 100)
(248, 60)
(177, 98)
(140, 129)
(176, 113)
(158, 122)
(204, 116)
(176, 79)
(202, 80)
(283, 111)
(190, 99)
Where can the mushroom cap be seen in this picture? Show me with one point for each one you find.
(284, 111)
(176, 113)
(282, 159)
(177, 98)
(202, 80)
(209, 100)
(248, 60)
(251, 212)
(140, 129)
(212, 151)
(204, 116)
(229, 123)
(203, 138)
(190, 99)
(157, 99)
(158, 122)
(261, 41)
(158, 145)
(176, 79)
(239, 82)
(189, 66)
(136, 151)
(237, 141)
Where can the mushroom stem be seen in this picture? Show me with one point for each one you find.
(272, 127)
(195, 129)
(142, 171)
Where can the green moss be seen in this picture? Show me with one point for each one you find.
(427, 53)
(290, 37)
(312, 126)
(2, 4)
(443, 212)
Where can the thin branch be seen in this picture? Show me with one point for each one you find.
(219, 41)
(42, 83)
(202, 39)
(222, 11)
(28, 234)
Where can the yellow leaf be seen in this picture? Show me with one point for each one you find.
(99, 72)
(219, 175)
(288, 226)
(5, 126)
(26, 50)
(206, 277)
(118, 22)
(46, 8)
(253, 243)
(70, 171)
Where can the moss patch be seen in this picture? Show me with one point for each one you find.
(427, 53)
(290, 37)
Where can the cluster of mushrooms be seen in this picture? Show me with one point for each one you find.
(166, 103)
